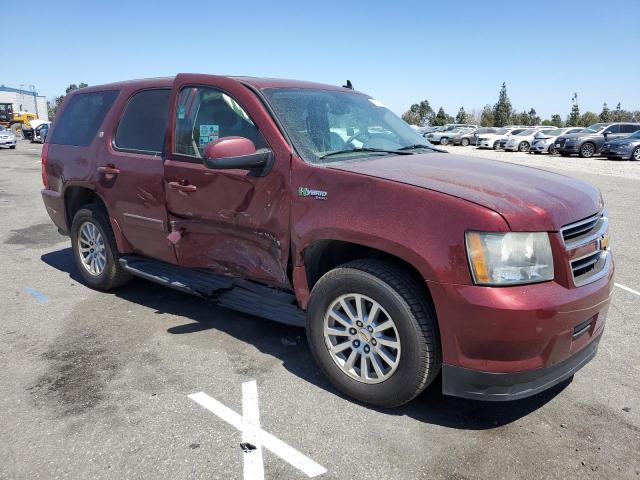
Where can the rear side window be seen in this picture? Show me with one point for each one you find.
(144, 122)
(82, 118)
(629, 128)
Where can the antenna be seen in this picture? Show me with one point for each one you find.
(349, 85)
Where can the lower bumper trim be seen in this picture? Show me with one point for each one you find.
(475, 384)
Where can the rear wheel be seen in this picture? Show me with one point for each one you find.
(587, 150)
(94, 249)
(523, 147)
(552, 150)
(373, 332)
(16, 129)
(636, 154)
(444, 141)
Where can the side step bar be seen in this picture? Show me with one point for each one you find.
(234, 293)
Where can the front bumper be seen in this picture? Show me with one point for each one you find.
(8, 143)
(540, 147)
(616, 152)
(485, 143)
(511, 342)
(473, 384)
(511, 147)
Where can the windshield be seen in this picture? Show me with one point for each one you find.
(503, 131)
(329, 125)
(555, 133)
(528, 131)
(635, 135)
(596, 127)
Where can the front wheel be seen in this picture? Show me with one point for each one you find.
(372, 330)
(587, 150)
(552, 150)
(636, 154)
(444, 141)
(523, 147)
(496, 145)
(464, 142)
(95, 251)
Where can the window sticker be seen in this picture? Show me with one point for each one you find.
(377, 103)
(208, 133)
(181, 112)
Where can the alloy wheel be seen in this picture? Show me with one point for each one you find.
(91, 248)
(588, 150)
(362, 338)
(636, 154)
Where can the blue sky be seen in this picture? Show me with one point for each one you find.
(452, 53)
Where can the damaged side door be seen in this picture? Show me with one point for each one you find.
(226, 221)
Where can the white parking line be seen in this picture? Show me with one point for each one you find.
(262, 438)
(630, 290)
(253, 463)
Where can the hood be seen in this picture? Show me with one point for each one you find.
(623, 141)
(529, 199)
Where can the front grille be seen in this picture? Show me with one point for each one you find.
(585, 231)
(560, 141)
(503, 143)
(593, 266)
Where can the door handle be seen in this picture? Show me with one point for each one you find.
(109, 170)
(182, 188)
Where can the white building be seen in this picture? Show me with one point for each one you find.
(25, 100)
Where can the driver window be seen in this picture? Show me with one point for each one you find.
(206, 114)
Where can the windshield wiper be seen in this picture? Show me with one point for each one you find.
(364, 149)
(421, 146)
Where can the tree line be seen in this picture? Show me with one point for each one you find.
(52, 107)
(502, 113)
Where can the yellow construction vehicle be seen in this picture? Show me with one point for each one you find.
(18, 122)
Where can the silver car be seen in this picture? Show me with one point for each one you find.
(545, 142)
(626, 148)
(7, 138)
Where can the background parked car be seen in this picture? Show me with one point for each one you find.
(443, 137)
(492, 140)
(589, 141)
(40, 132)
(625, 148)
(522, 141)
(471, 138)
(7, 138)
(545, 142)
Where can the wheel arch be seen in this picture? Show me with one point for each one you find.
(78, 195)
(324, 254)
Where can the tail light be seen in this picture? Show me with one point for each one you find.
(45, 176)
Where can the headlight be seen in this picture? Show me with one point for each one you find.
(509, 258)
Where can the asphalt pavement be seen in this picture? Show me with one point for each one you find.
(101, 385)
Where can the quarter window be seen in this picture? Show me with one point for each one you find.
(143, 124)
(82, 118)
(629, 128)
(206, 114)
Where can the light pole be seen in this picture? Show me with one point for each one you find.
(35, 98)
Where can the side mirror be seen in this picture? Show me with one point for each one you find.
(231, 153)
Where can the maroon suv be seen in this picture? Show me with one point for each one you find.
(314, 205)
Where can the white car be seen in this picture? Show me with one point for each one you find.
(7, 138)
(522, 141)
(492, 140)
(544, 143)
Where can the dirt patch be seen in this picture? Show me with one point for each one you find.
(35, 236)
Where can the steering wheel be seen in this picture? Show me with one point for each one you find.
(356, 137)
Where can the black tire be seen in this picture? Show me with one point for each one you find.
(523, 147)
(12, 147)
(587, 150)
(444, 141)
(635, 155)
(464, 142)
(113, 275)
(496, 145)
(552, 150)
(407, 304)
(564, 154)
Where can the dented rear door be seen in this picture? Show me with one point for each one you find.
(226, 221)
